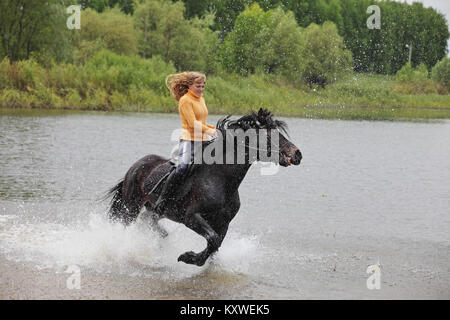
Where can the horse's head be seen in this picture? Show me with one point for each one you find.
(275, 132)
(287, 151)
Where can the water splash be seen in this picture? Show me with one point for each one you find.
(102, 246)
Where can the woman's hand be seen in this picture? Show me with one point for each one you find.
(215, 134)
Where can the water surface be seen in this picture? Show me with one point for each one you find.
(366, 193)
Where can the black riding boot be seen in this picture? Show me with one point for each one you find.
(167, 192)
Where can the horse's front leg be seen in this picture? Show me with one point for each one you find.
(211, 249)
(197, 223)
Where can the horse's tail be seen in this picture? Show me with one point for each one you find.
(125, 201)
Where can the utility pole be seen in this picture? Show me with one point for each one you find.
(410, 52)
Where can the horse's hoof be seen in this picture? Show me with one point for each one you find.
(191, 257)
(188, 257)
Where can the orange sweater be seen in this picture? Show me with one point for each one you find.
(193, 114)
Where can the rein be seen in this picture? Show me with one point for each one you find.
(261, 149)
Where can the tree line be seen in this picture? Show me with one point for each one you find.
(302, 40)
(379, 50)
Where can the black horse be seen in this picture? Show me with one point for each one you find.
(208, 198)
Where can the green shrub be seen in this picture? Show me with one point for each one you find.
(118, 100)
(72, 99)
(409, 74)
(104, 82)
(411, 81)
(46, 98)
(21, 75)
(87, 49)
(5, 79)
(65, 76)
(11, 98)
(97, 100)
(419, 87)
(36, 98)
(111, 72)
(441, 71)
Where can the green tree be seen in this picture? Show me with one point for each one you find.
(196, 8)
(373, 50)
(97, 5)
(325, 56)
(164, 31)
(356, 35)
(127, 6)
(264, 41)
(118, 72)
(111, 29)
(384, 50)
(441, 71)
(30, 27)
(431, 35)
(315, 11)
(272, 42)
(285, 46)
(225, 11)
(243, 48)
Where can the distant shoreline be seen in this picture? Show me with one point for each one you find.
(354, 97)
(355, 114)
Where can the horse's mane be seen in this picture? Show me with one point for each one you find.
(263, 119)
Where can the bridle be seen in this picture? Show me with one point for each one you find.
(280, 147)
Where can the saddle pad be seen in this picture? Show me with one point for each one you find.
(154, 181)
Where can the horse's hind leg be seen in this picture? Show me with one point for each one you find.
(154, 223)
(214, 240)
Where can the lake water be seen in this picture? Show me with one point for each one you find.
(366, 193)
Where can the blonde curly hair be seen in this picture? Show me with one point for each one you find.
(178, 83)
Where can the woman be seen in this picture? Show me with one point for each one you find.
(187, 88)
